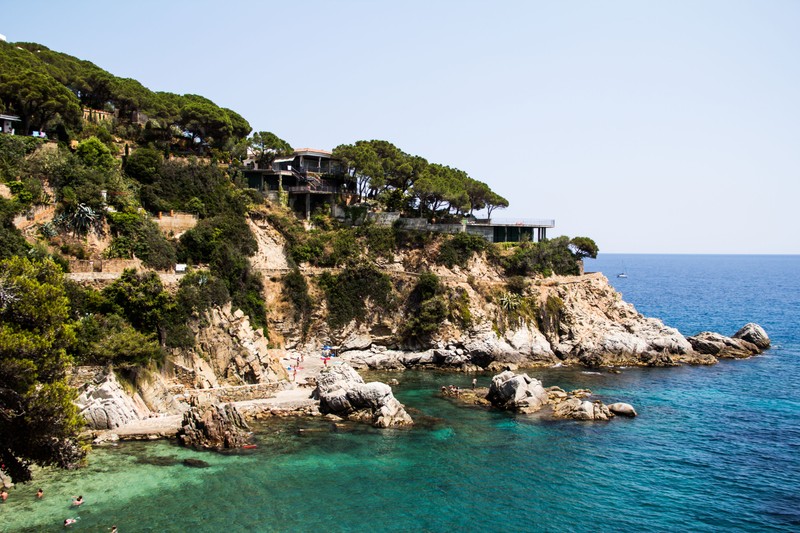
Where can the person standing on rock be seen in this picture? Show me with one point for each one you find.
(474, 383)
(294, 374)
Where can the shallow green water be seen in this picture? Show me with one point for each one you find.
(714, 448)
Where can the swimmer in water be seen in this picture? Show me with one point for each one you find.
(39, 494)
(70, 521)
(79, 501)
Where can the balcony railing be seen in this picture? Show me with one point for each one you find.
(535, 222)
(309, 188)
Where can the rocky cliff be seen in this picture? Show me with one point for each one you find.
(572, 320)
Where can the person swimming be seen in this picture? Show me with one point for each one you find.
(39, 494)
(78, 501)
(70, 521)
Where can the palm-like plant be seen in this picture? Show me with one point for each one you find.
(80, 220)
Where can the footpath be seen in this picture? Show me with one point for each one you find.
(292, 399)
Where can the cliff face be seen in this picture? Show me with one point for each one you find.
(229, 355)
(577, 320)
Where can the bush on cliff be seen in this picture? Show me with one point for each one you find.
(459, 249)
(134, 234)
(295, 291)
(426, 307)
(110, 339)
(347, 293)
(553, 256)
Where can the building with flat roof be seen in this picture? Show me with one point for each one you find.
(7, 121)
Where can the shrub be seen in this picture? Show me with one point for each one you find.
(546, 257)
(426, 307)
(136, 234)
(459, 249)
(295, 291)
(380, 241)
(201, 242)
(103, 339)
(517, 284)
(13, 149)
(347, 294)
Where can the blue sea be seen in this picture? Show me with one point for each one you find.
(714, 448)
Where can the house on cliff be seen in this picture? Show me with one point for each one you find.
(308, 178)
(7, 121)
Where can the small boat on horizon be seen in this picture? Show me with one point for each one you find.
(622, 275)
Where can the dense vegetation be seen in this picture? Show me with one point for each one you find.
(409, 183)
(47, 90)
(106, 179)
(38, 420)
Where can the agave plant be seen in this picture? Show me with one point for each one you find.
(510, 301)
(48, 230)
(80, 220)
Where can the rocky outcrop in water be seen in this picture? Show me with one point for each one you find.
(106, 405)
(342, 392)
(577, 409)
(748, 341)
(519, 393)
(213, 427)
(522, 394)
(623, 409)
(754, 334)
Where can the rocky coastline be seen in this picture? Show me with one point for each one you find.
(588, 325)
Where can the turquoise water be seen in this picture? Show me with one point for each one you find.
(714, 448)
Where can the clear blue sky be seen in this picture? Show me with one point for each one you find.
(668, 126)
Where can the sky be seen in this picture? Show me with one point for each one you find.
(651, 127)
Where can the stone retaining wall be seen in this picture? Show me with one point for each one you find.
(175, 223)
(242, 392)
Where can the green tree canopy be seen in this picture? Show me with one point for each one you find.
(583, 247)
(38, 420)
(266, 146)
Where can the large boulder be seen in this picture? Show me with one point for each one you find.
(213, 427)
(519, 393)
(342, 392)
(578, 409)
(722, 347)
(622, 409)
(104, 404)
(755, 334)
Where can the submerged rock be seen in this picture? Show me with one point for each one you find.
(341, 391)
(195, 463)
